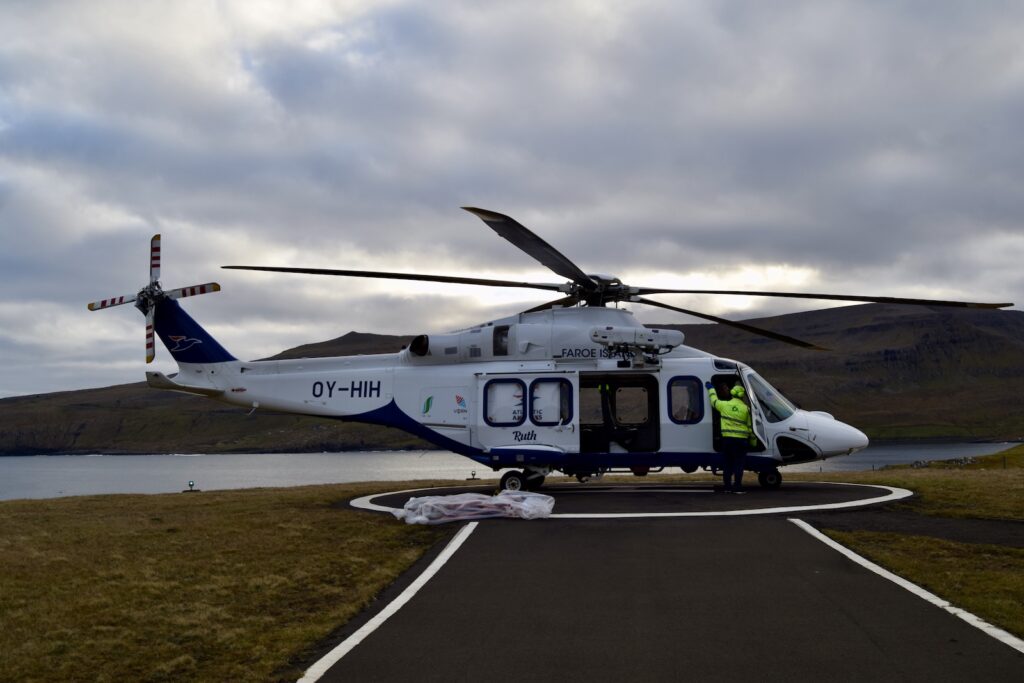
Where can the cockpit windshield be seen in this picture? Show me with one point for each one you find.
(773, 404)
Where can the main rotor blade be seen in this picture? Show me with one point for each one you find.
(406, 276)
(522, 237)
(831, 297)
(732, 323)
(570, 300)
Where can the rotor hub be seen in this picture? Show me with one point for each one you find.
(148, 297)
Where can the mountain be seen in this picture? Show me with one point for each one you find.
(896, 372)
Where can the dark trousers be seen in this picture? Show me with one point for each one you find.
(734, 451)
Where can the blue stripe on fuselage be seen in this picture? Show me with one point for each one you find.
(392, 416)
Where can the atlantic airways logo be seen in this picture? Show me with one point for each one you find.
(183, 343)
(426, 404)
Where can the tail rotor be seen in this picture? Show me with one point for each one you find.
(154, 259)
(147, 298)
(182, 292)
(107, 303)
(150, 337)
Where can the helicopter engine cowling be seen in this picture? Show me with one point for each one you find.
(643, 338)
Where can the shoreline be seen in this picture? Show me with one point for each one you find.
(923, 441)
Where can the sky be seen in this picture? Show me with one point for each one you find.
(847, 147)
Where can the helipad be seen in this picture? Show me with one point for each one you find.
(623, 501)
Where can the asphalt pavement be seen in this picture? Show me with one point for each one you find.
(667, 599)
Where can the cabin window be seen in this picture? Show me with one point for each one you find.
(685, 400)
(631, 406)
(550, 402)
(590, 406)
(503, 402)
(500, 341)
(619, 409)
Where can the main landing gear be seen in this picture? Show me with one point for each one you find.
(527, 480)
(770, 479)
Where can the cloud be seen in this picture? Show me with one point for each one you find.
(815, 146)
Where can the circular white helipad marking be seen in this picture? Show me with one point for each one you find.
(893, 493)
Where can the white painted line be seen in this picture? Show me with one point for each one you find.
(366, 503)
(626, 490)
(893, 494)
(975, 621)
(318, 669)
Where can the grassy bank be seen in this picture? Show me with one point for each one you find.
(244, 585)
(215, 586)
(982, 490)
(987, 580)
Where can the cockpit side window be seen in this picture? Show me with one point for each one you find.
(773, 404)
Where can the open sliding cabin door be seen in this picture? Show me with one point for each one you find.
(619, 413)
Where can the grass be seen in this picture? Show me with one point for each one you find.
(982, 490)
(984, 579)
(234, 585)
(245, 585)
(987, 580)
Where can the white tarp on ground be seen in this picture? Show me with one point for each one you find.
(463, 506)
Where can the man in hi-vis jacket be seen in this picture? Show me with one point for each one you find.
(737, 435)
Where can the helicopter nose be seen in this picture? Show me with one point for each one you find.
(834, 437)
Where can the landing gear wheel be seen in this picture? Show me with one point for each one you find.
(513, 481)
(772, 479)
(534, 483)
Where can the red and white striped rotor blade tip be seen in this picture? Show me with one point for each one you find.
(107, 303)
(154, 259)
(196, 290)
(150, 337)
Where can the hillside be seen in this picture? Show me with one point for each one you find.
(895, 372)
(132, 418)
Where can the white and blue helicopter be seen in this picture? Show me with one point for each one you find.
(571, 386)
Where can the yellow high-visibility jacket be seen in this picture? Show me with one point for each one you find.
(735, 414)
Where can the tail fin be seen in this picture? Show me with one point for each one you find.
(187, 341)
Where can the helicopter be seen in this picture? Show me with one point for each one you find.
(573, 385)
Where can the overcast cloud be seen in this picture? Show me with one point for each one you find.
(819, 146)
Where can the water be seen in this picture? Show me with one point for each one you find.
(877, 457)
(52, 476)
(74, 475)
